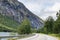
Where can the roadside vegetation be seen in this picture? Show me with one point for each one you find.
(12, 39)
(55, 35)
(51, 26)
(7, 24)
(25, 27)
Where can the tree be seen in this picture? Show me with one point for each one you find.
(25, 27)
(49, 24)
(57, 23)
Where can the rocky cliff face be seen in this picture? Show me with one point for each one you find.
(17, 11)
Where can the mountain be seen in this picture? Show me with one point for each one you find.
(16, 11)
(7, 24)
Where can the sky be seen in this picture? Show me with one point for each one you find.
(43, 8)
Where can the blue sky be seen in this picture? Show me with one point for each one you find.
(42, 8)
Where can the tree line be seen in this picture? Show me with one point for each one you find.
(51, 25)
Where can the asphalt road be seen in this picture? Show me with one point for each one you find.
(40, 37)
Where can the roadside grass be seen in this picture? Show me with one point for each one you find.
(8, 24)
(12, 39)
(1, 25)
(55, 35)
(7, 21)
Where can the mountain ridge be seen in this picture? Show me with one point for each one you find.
(17, 11)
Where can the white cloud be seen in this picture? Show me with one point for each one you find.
(33, 7)
(43, 8)
(51, 11)
(54, 8)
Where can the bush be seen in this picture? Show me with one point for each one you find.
(12, 39)
(25, 27)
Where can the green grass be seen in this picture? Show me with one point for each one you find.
(56, 35)
(6, 27)
(12, 39)
(8, 23)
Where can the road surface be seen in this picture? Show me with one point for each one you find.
(40, 37)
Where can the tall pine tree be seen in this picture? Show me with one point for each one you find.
(25, 27)
(57, 23)
(49, 24)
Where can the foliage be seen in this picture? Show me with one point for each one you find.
(6, 28)
(52, 26)
(5, 20)
(49, 24)
(7, 24)
(57, 24)
(55, 35)
(25, 27)
(12, 39)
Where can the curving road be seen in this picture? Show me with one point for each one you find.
(40, 37)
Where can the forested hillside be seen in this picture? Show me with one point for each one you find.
(7, 23)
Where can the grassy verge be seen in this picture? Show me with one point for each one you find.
(56, 35)
(6, 27)
(7, 21)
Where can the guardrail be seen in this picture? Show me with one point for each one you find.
(19, 36)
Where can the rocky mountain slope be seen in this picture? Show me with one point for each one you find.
(17, 11)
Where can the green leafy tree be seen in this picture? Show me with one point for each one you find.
(25, 27)
(57, 23)
(49, 24)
